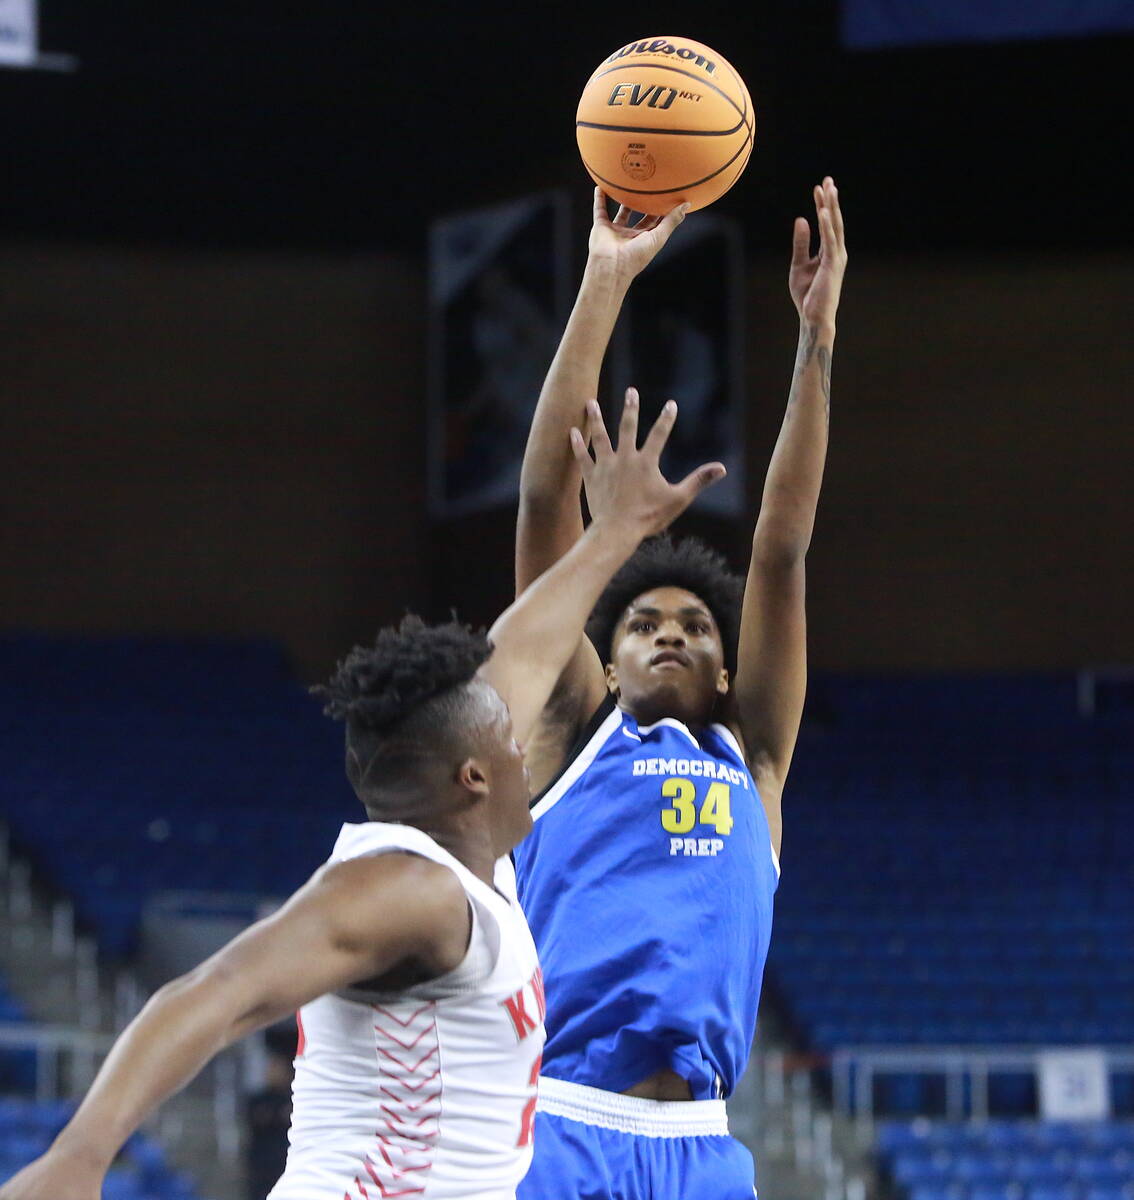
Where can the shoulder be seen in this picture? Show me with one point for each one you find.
(396, 893)
(419, 882)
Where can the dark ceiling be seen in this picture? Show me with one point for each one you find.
(349, 126)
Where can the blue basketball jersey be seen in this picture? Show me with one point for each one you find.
(648, 881)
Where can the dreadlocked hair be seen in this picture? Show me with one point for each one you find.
(375, 687)
(661, 562)
(403, 699)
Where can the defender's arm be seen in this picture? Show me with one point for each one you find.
(629, 500)
(772, 656)
(248, 984)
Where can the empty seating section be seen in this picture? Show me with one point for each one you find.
(957, 870)
(140, 1172)
(1008, 1160)
(957, 867)
(131, 765)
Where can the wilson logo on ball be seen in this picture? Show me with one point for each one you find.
(661, 46)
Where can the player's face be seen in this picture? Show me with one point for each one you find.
(668, 658)
(509, 778)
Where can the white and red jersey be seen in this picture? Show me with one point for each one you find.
(429, 1093)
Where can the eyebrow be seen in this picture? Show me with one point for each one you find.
(688, 611)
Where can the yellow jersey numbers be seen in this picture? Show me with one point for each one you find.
(683, 812)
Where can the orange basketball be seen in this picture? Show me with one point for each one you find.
(662, 121)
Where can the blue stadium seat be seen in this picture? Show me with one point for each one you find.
(119, 1185)
(994, 1191)
(896, 1136)
(917, 1169)
(1105, 1169)
(1103, 1192)
(1052, 1191)
(933, 1191)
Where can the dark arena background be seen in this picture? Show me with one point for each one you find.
(264, 268)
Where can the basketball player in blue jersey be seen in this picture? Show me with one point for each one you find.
(657, 770)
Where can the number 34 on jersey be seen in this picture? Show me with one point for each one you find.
(685, 809)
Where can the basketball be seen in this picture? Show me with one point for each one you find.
(662, 121)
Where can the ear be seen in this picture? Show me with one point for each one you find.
(723, 682)
(473, 778)
(611, 679)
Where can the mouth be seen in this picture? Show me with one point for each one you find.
(669, 658)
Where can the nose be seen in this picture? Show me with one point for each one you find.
(669, 634)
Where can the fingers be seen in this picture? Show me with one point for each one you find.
(601, 216)
(582, 456)
(671, 220)
(628, 426)
(596, 431)
(835, 210)
(800, 242)
(831, 236)
(622, 217)
(663, 427)
(697, 481)
(827, 241)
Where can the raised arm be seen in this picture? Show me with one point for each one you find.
(248, 984)
(550, 520)
(629, 500)
(771, 674)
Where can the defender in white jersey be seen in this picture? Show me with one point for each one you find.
(420, 1091)
(420, 998)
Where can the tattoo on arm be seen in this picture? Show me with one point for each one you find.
(825, 375)
(807, 351)
(806, 348)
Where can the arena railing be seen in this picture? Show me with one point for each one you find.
(965, 1069)
(67, 1059)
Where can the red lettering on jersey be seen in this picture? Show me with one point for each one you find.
(301, 1045)
(527, 1117)
(518, 1011)
(540, 996)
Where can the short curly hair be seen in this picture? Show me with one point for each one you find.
(404, 700)
(661, 562)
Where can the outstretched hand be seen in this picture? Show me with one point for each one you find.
(625, 247)
(816, 281)
(625, 485)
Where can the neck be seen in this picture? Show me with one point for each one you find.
(647, 714)
(471, 848)
(466, 836)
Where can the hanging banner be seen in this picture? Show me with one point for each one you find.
(680, 338)
(878, 24)
(19, 38)
(497, 305)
